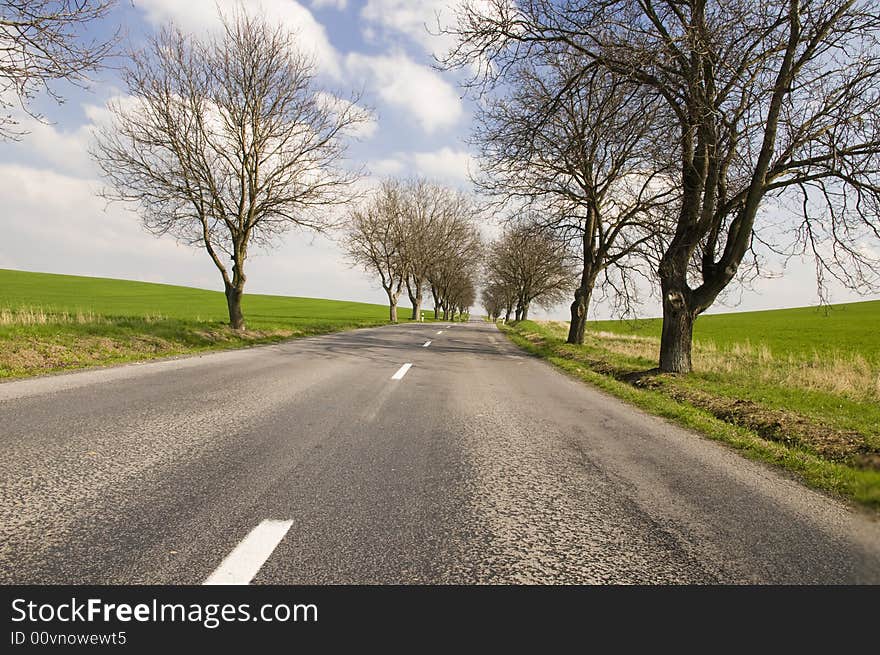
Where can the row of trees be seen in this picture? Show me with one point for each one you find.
(654, 136)
(419, 237)
(526, 265)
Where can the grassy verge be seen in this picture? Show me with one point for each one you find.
(813, 446)
(51, 323)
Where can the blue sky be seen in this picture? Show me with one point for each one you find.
(52, 219)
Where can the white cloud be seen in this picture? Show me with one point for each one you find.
(417, 89)
(416, 20)
(368, 123)
(197, 15)
(64, 150)
(332, 4)
(445, 164)
(385, 167)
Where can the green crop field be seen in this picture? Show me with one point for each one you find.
(845, 329)
(805, 383)
(56, 322)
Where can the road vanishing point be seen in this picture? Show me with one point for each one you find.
(414, 453)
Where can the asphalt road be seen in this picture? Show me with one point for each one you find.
(307, 463)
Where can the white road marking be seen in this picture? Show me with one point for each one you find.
(401, 372)
(248, 557)
(427, 343)
(440, 332)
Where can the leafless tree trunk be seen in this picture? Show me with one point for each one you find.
(43, 41)
(227, 143)
(415, 289)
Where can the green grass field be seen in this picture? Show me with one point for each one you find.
(803, 383)
(57, 322)
(844, 329)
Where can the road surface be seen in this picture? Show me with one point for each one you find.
(327, 460)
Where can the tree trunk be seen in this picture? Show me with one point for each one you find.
(581, 305)
(678, 310)
(417, 308)
(414, 290)
(579, 315)
(507, 312)
(436, 302)
(233, 302)
(678, 328)
(392, 304)
(525, 313)
(518, 314)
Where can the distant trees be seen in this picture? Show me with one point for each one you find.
(763, 100)
(416, 235)
(455, 267)
(498, 299)
(583, 158)
(453, 280)
(441, 237)
(526, 265)
(43, 41)
(227, 143)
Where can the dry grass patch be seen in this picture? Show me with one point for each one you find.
(850, 375)
(742, 365)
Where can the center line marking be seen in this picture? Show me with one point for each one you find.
(440, 332)
(427, 343)
(248, 557)
(401, 372)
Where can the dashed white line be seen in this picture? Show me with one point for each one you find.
(246, 559)
(427, 344)
(440, 332)
(401, 372)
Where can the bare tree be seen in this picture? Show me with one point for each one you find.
(376, 238)
(532, 261)
(768, 99)
(44, 41)
(227, 144)
(462, 295)
(457, 255)
(413, 234)
(499, 299)
(574, 147)
(492, 302)
(432, 215)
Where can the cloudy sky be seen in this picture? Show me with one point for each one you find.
(52, 220)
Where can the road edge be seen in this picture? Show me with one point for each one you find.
(834, 480)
